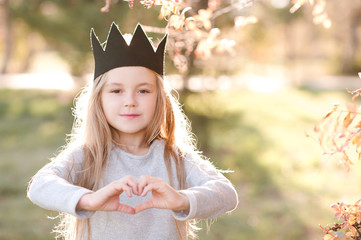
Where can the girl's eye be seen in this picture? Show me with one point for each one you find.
(116, 91)
(143, 91)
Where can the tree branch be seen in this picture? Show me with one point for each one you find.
(237, 6)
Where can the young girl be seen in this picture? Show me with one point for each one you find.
(130, 169)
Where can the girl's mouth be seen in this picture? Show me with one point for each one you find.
(129, 116)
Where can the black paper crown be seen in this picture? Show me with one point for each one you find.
(117, 53)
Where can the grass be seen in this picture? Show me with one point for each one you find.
(284, 185)
(33, 125)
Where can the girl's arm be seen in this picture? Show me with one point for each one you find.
(52, 187)
(210, 194)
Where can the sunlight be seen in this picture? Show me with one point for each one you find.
(265, 84)
(280, 3)
(55, 81)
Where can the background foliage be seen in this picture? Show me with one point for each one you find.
(250, 114)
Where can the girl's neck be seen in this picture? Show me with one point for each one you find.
(136, 146)
(136, 150)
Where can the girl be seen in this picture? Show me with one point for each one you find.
(130, 169)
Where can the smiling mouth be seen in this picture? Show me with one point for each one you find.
(130, 116)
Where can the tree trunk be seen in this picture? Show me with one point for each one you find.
(351, 47)
(7, 36)
(26, 62)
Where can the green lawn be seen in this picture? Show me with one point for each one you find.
(285, 187)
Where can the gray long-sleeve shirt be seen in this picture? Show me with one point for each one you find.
(210, 194)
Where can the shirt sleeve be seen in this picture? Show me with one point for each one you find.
(210, 194)
(52, 187)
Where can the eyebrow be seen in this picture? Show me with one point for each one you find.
(121, 84)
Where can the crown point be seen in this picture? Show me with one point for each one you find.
(162, 44)
(95, 41)
(114, 26)
(139, 29)
(138, 26)
(115, 39)
(92, 33)
(141, 40)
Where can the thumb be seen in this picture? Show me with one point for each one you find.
(126, 209)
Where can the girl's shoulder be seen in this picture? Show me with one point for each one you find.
(199, 160)
(192, 158)
(72, 152)
(195, 159)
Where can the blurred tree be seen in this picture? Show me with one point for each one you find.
(7, 34)
(62, 24)
(194, 32)
(349, 65)
(319, 11)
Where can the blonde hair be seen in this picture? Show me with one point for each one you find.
(92, 131)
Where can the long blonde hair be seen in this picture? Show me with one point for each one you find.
(91, 129)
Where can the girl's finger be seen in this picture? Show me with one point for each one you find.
(126, 209)
(146, 180)
(127, 190)
(143, 181)
(119, 187)
(151, 187)
(108, 191)
(134, 185)
(146, 190)
(124, 184)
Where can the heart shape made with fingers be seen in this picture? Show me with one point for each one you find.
(151, 192)
(130, 196)
(148, 193)
(134, 200)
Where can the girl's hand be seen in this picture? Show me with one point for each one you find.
(107, 198)
(163, 195)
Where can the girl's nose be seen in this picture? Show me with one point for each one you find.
(130, 101)
(129, 105)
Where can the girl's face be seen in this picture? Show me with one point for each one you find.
(129, 98)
